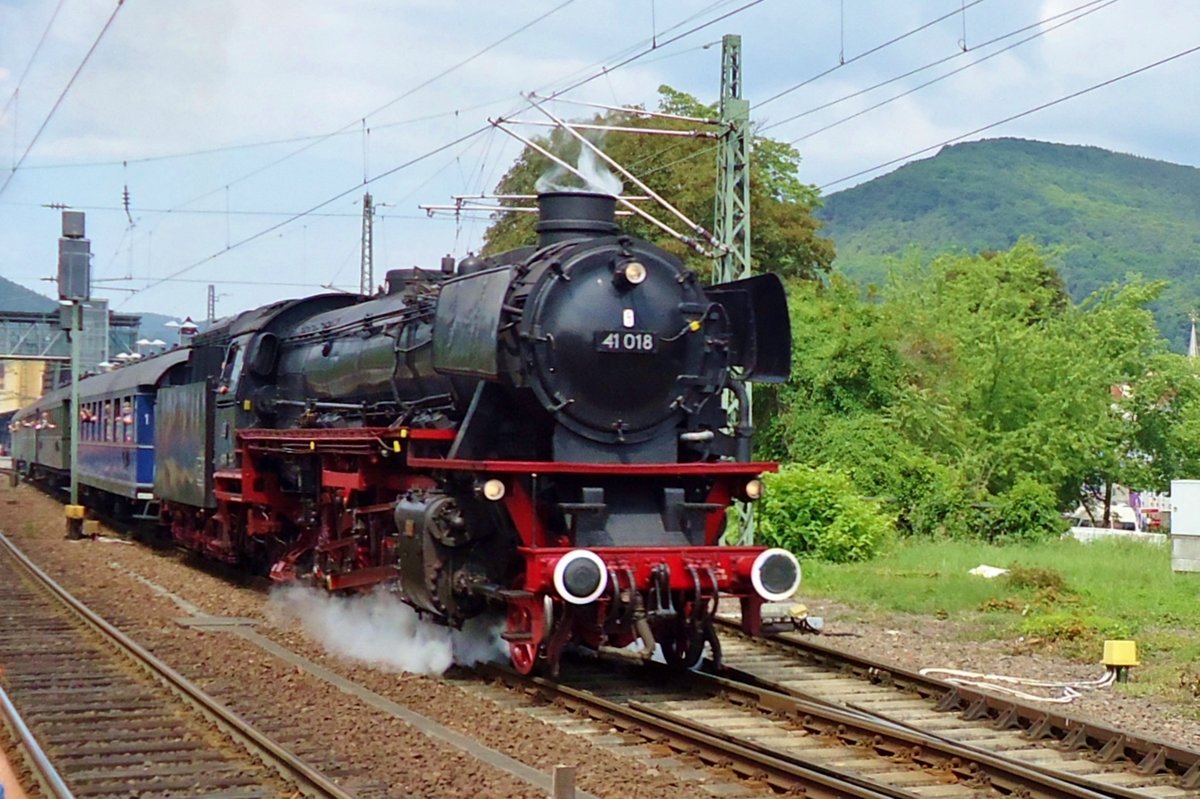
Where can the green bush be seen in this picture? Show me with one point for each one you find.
(928, 499)
(1026, 512)
(817, 512)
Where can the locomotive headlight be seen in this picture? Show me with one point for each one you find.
(634, 272)
(580, 576)
(754, 489)
(494, 490)
(775, 574)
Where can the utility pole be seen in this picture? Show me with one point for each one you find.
(366, 280)
(212, 303)
(74, 289)
(732, 223)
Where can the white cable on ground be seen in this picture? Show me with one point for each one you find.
(1070, 690)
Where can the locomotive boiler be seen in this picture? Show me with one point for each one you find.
(540, 432)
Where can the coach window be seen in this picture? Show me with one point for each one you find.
(108, 420)
(127, 419)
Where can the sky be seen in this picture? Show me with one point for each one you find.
(226, 120)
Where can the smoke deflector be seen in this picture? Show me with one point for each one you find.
(758, 317)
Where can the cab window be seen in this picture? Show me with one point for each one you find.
(231, 369)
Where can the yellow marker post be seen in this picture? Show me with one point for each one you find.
(1119, 656)
(74, 514)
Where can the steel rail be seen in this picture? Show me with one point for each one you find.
(288, 765)
(854, 728)
(44, 771)
(1010, 776)
(1148, 754)
(780, 771)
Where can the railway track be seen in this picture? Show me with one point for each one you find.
(1088, 754)
(788, 744)
(113, 719)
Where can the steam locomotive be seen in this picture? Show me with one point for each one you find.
(540, 433)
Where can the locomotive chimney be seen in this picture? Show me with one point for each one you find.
(565, 215)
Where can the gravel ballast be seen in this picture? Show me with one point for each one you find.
(377, 749)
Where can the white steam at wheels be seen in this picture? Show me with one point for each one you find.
(381, 631)
(596, 177)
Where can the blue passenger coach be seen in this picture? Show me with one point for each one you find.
(116, 425)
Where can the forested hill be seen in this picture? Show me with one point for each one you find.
(15, 297)
(1111, 214)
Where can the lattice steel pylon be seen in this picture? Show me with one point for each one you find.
(366, 279)
(732, 223)
(732, 210)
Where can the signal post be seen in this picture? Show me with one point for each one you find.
(74, 289)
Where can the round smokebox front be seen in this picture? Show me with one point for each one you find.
(610, 339)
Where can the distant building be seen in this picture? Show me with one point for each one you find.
(105, 335)
(31, 335)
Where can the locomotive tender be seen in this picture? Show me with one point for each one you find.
(539, 432)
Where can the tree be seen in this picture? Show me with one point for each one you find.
(785, 235)
(970, 389)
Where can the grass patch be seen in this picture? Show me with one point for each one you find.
(1060, 595)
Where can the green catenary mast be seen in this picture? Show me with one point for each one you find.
(732, 223)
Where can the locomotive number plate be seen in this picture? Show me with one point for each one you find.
(625, 341)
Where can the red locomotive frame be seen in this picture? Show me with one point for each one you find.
(350, 531)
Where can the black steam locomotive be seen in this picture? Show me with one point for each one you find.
(540, 432)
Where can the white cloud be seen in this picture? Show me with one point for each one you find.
(195, 74)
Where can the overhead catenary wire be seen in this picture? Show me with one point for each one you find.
(402, 96)
(62, 95)
(654, 46)
(254, 237)
(353, 124)
(901, 95)
(211, 211)
(425, 156)
(1086, 8)
(842, 62)
(219, 281)
(638, 48)
(314, 136)
(864, 54)
(1025, 113)
(225, 148)
(33, 57)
